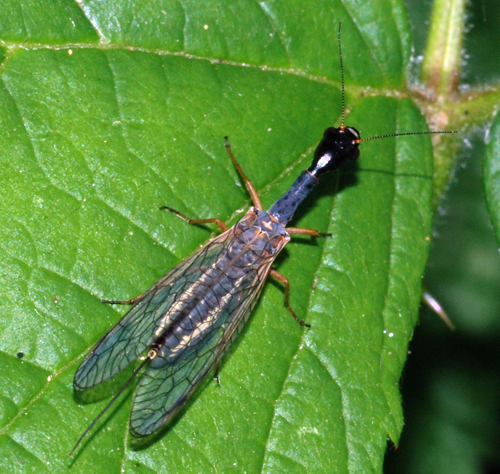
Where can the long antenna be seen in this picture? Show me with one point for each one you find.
(342, 126)
(108, 406)
(406, 133)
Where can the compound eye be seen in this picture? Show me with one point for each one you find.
(356, 134)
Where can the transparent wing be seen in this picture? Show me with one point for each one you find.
(170, 379)
(151, 315)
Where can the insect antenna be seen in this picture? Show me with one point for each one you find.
(376, 137)
(342, 126)
(149, 357)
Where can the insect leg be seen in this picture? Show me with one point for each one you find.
(216, 376)
(132, 301)
(217, 221)
(283, 280)
(248, 184)
(151, 355)
(305, 231)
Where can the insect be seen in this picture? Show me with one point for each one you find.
(187, 320)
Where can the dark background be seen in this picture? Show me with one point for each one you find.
(451, 383)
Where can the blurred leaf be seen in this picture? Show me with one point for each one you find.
(450, 384)
(492, 176)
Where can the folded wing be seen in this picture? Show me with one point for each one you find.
(137, 330)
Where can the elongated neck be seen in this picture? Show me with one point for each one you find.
(284, 208)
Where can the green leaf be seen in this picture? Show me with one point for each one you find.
(492, 175)
(97, 135)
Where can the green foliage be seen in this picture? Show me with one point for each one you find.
(112, 110)
(492, 177)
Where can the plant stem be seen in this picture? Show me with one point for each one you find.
(442, 59)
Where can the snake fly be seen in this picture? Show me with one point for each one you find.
(187, 321)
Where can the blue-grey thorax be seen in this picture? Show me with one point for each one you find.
(284, 208)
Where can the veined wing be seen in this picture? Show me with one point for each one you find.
(138, 329)
(170, 379)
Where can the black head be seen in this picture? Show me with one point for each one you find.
(338, 146)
